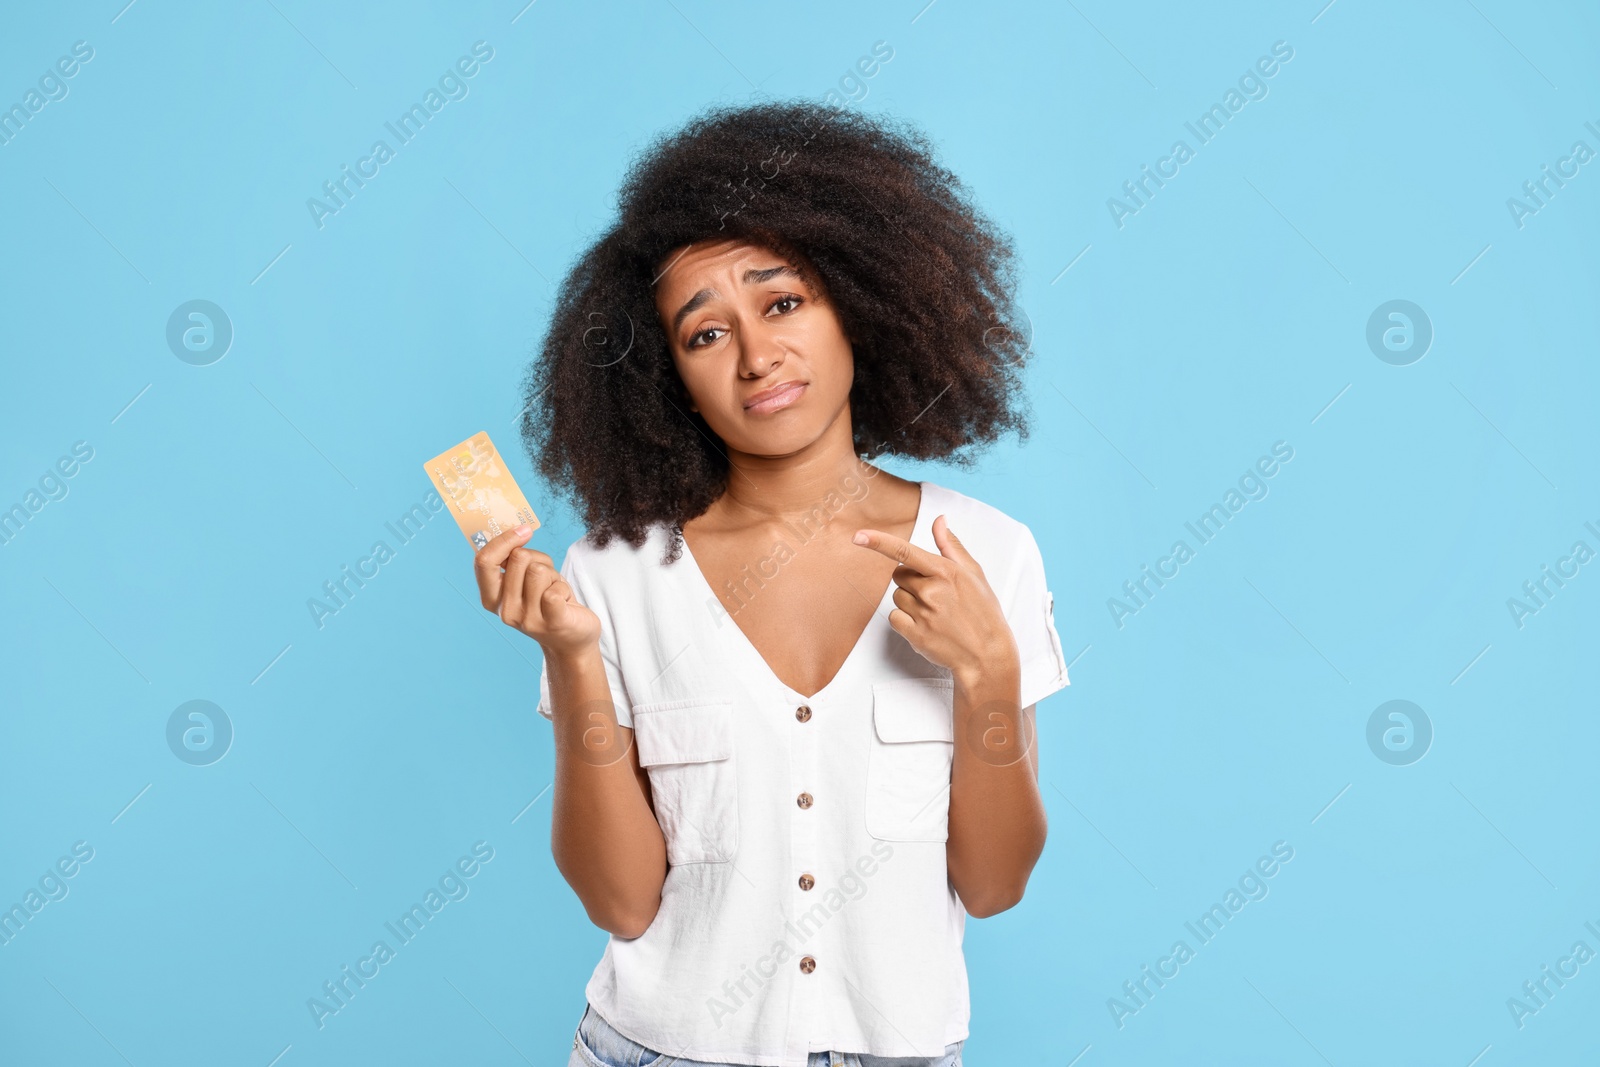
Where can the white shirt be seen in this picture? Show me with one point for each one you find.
(761, 791)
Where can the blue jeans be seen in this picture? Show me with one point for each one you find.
(596, 1044)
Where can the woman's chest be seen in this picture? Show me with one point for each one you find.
(728, 744)
(801, 608)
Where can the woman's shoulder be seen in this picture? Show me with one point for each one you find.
(976, 522)
(616, 559)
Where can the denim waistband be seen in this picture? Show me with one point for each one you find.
(598, 1044)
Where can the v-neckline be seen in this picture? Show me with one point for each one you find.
(861, 639)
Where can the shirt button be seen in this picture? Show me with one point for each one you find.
(804, 800)
(807, 964)
(803, 713)
(806, 881)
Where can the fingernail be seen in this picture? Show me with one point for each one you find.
(861, 538)
(523, 531)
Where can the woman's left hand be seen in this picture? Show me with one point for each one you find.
(943, 604)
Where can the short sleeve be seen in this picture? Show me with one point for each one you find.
(586, 594)
(1030, 609)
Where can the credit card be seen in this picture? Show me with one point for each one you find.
(482, 496)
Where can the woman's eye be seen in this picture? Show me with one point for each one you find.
(695, 342)
(780, 305)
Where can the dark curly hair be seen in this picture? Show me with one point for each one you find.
(920, 278)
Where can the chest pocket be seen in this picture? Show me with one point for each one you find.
(686, 746)
(908, 767)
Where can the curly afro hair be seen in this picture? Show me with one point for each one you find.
(919, 277)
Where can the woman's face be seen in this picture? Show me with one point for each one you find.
(763, 356)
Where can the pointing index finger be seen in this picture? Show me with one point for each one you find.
(901, 551)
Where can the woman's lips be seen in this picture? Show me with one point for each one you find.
(782, 399)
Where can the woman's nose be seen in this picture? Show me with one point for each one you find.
(759, 354)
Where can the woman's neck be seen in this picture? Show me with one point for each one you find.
(768, 490)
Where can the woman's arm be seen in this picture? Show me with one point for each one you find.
(603, 831)
(947, 611)
(604, 834)
(997, 818)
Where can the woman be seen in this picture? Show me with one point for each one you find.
(792, 694)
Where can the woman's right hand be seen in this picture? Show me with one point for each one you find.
(523, 587)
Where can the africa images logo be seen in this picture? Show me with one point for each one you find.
(452, 85)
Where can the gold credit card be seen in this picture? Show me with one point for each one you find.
(479, 490)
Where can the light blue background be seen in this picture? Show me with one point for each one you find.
(1228, 314)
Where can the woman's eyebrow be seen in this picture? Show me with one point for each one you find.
(756, 277)
(689, 305)
(751, 277)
